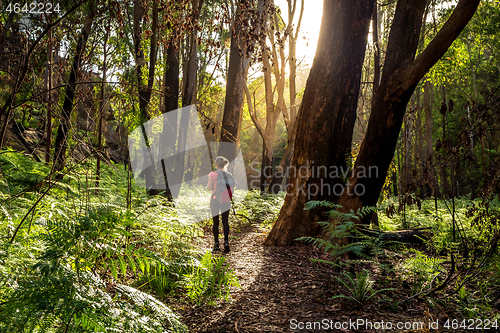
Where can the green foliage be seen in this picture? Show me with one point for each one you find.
(426, 216)
(263, 209)
(476, 222)
(19, 171)
(343, 227)
(82, 262)
(360, 288)
(462, 293)
(211, 280)
(477, 302)
(473, 51)
(423, 269)
(67, 285)
(484, 215)
(474, 249)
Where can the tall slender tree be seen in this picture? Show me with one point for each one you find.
(101, 106)
(190, 73)
(273, 62)
(243, 38)
(171, 96)
(289, 114)
(68, 105)
(145, 85)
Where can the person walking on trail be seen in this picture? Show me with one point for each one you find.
(221, 183)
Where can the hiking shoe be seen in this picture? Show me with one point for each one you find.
(216, 247)
(226, 247)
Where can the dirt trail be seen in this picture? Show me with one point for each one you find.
(280, 287)
(277, 285)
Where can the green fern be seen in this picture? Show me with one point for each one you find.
(360, 287)
(75, 249)
(344, 227)
(60, 289)
(211, 280)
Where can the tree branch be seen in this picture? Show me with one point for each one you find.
(462, 14)
(251, 111)
(7, 107)
(300, 20)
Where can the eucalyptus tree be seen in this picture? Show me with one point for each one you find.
(326, 116)
(245, 29)
(25, 55)
(273, 58)
(292, 30)
(401, 73)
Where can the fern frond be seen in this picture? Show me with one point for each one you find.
(320, 204)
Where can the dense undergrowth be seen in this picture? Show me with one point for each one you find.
(76, 260)
(454, 272)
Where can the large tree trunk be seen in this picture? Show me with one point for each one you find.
(171, 81)
(399, 78)
(190, 80)
(68, 105)
(189, 75)
(171, 102)
(326, 116)
(153, 173)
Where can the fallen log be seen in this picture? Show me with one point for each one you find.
(403, 236)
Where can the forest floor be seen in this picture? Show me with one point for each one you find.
(282, 287)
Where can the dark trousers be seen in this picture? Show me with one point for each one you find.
(216, 207)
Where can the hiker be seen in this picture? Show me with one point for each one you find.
(221, 183)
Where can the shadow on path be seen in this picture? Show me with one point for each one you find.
(282, 286)
(277, 285)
